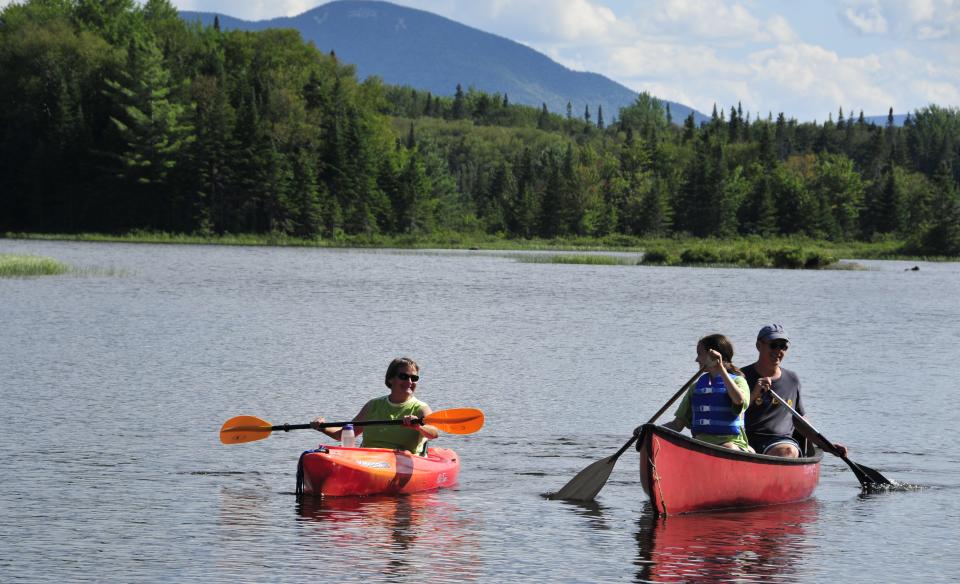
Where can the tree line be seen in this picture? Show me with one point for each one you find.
(116, 116)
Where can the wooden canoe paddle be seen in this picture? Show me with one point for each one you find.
(589, 481)
(867, 476)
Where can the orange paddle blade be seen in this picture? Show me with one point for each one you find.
(244, 429)
(456, 421)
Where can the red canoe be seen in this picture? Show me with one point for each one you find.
(336, 471)
(683, 475)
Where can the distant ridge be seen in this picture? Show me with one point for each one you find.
(405, 46)
(898, 119)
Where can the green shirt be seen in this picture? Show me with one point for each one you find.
(396, 437)
(684, 413)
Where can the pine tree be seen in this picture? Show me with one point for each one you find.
(153, 128)
(942, 236)
(543, 120)
(459, 106)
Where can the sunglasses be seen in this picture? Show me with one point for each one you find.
(779, 345)
(405, 377)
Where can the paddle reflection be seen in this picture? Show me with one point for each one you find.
(591, 510)
(757, 545)
(397, 536)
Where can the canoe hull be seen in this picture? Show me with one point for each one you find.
(334, 471)
(683, 475)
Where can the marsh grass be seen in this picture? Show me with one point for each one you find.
(23, 266)
(588, 259)
(754, 253)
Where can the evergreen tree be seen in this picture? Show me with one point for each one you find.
(153, 129)
(543, 121)
(942, 235)
(459, 107)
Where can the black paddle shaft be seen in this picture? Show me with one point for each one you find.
(288, 427)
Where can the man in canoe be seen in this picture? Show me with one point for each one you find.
(401, 377)
(769, 426)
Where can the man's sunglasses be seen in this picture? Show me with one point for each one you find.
(405, 377)
(779, 345)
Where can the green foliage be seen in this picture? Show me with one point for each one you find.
(119, 116)
(757, 253)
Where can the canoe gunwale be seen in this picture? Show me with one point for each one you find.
(691, 443)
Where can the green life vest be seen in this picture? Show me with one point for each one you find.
(396, 437)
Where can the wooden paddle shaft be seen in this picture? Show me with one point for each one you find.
(669, 403)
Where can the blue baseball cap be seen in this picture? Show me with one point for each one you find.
(772, 332)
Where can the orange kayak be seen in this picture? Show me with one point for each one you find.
(336, 471)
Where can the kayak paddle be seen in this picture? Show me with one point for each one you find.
(589, 481)
(866, 475)
(249, 428)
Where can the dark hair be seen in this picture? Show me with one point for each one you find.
(723, 345)
(395, 365)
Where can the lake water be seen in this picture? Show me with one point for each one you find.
(114, 383)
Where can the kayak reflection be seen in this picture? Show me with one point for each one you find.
(396, 536)
(755, 545)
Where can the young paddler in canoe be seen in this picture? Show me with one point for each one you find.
(401, 378)
(713, 407)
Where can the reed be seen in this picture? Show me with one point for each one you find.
(22, 266)
(588, 259)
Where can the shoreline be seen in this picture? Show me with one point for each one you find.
(784, 252)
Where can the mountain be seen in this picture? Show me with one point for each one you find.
(405, 46)
(898, 120)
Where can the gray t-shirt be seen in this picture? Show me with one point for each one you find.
(766, 419)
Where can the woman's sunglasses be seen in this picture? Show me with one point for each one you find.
(405, 377)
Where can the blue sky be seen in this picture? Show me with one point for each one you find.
(806, 58)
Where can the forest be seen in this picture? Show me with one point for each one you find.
(118, 117)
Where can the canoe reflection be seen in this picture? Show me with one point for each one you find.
(755, 545)
(397, 536)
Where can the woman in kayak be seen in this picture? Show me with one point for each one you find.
(401, 377)
(713, 407)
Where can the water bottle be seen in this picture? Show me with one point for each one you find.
(347, 437)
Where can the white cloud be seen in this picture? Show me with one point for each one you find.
(868, 20)
(923, 20)
(822, 78)
(779, 30)
(532, 20)
(660, 60)
(249, 9)
(717, 20)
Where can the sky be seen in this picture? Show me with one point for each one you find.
(805, 58)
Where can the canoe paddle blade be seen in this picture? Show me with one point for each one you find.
(244, 429)
(588, 482)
